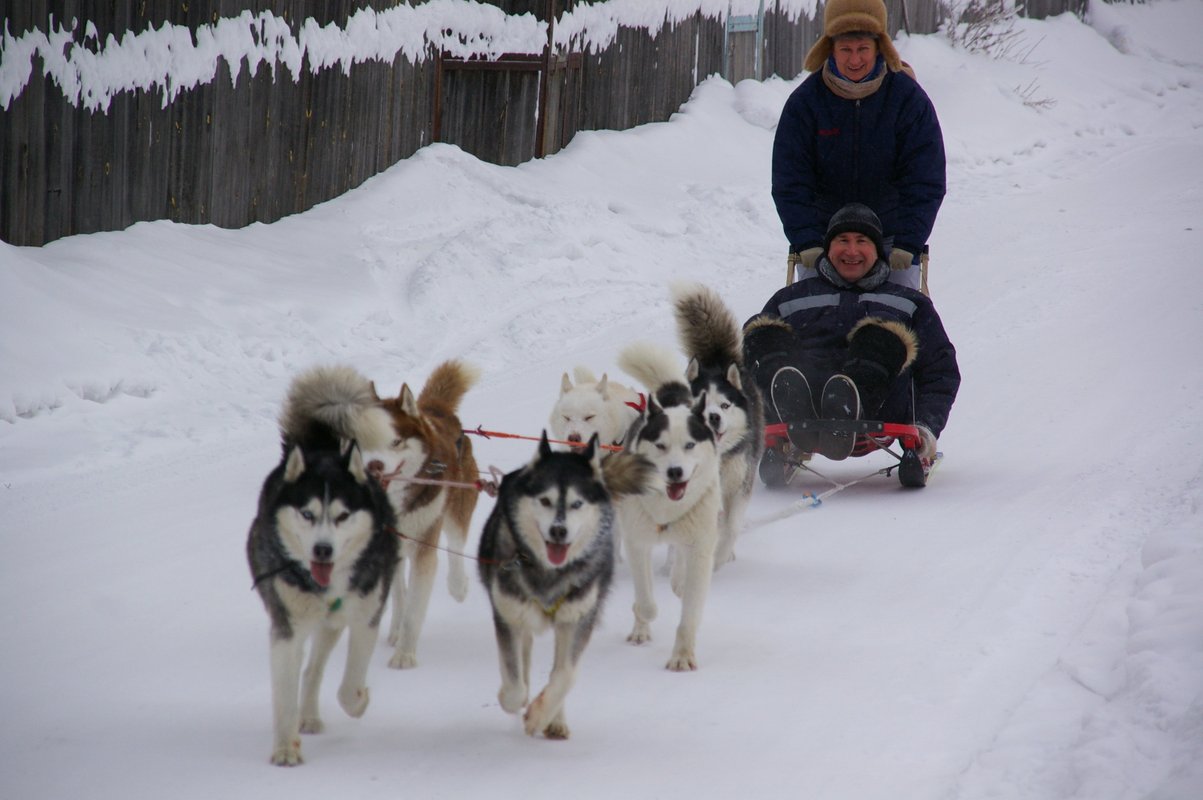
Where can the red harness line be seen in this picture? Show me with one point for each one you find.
(640, 406)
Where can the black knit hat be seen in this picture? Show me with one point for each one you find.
(855, 218)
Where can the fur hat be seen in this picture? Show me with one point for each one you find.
(856, 218)
(849, 16)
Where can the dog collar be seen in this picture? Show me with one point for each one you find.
(551, 612)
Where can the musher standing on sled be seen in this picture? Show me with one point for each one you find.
(859, 128)
(877, 350)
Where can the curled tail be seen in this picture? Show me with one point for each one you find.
(583, 374)
(651, 365)
(706, 327)
(446, 387)
(332, 401)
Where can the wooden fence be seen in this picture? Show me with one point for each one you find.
(233, 151)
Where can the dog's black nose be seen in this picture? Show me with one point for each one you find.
(715, 420)
(323, 551)
(558, 533)
(674, 474)
(574, 437)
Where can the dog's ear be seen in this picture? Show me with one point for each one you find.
(294, 465)
(592, 452)
(699, 405)
(603, 386)
(653, 407)
(544, 445)
(565, 384)
(693, 370)
(408, 404)
(375, 394)
(733, 376)
(353, 462)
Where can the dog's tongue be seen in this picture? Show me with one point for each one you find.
(321, 570)
(677, 490)
(557, 553)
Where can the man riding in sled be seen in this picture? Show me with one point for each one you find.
(874, 349)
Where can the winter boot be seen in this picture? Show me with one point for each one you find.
(840, 401)
(878, 351)
(794, 403)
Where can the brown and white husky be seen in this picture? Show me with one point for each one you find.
(428, 445)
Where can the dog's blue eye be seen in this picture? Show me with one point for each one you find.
(690, 445)
(307, 515)
(577, 505)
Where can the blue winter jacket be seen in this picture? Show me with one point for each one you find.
(885, 151)
(822, 314)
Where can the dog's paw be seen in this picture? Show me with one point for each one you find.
(288, 754)
(354, 701)
(512, 697)
(682, 661)
(557, 730)
(535, 721)
(640, 634)
(723, 557)
(403, 660)
(312, 725)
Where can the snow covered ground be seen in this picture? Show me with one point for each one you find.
(1028, 626)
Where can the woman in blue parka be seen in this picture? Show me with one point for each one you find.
(859, 129)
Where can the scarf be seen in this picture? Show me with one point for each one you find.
(854, 90)
(878, 274)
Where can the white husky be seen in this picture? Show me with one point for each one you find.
(590, 406)
(682, 506)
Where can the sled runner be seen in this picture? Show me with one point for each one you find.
(781, 459)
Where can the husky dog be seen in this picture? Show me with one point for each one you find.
(604, 407)
(682, 507)
(427, 443)
(546, 559)
(712, 340)
(321, 550)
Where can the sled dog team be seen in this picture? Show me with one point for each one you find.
(366, 485)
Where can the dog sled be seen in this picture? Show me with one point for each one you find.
(781, 460)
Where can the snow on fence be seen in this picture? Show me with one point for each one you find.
(229, 113)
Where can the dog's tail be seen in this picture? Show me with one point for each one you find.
(333, 401)
(651, 365)
(627, 474)
(583, 374)
(446, 387)
(705, 325)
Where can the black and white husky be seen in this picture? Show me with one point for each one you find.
(713, 342)
(321, 549)
(546, 559)
(682, 507)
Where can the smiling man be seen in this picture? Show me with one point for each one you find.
(859, 129)
(875, 349)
